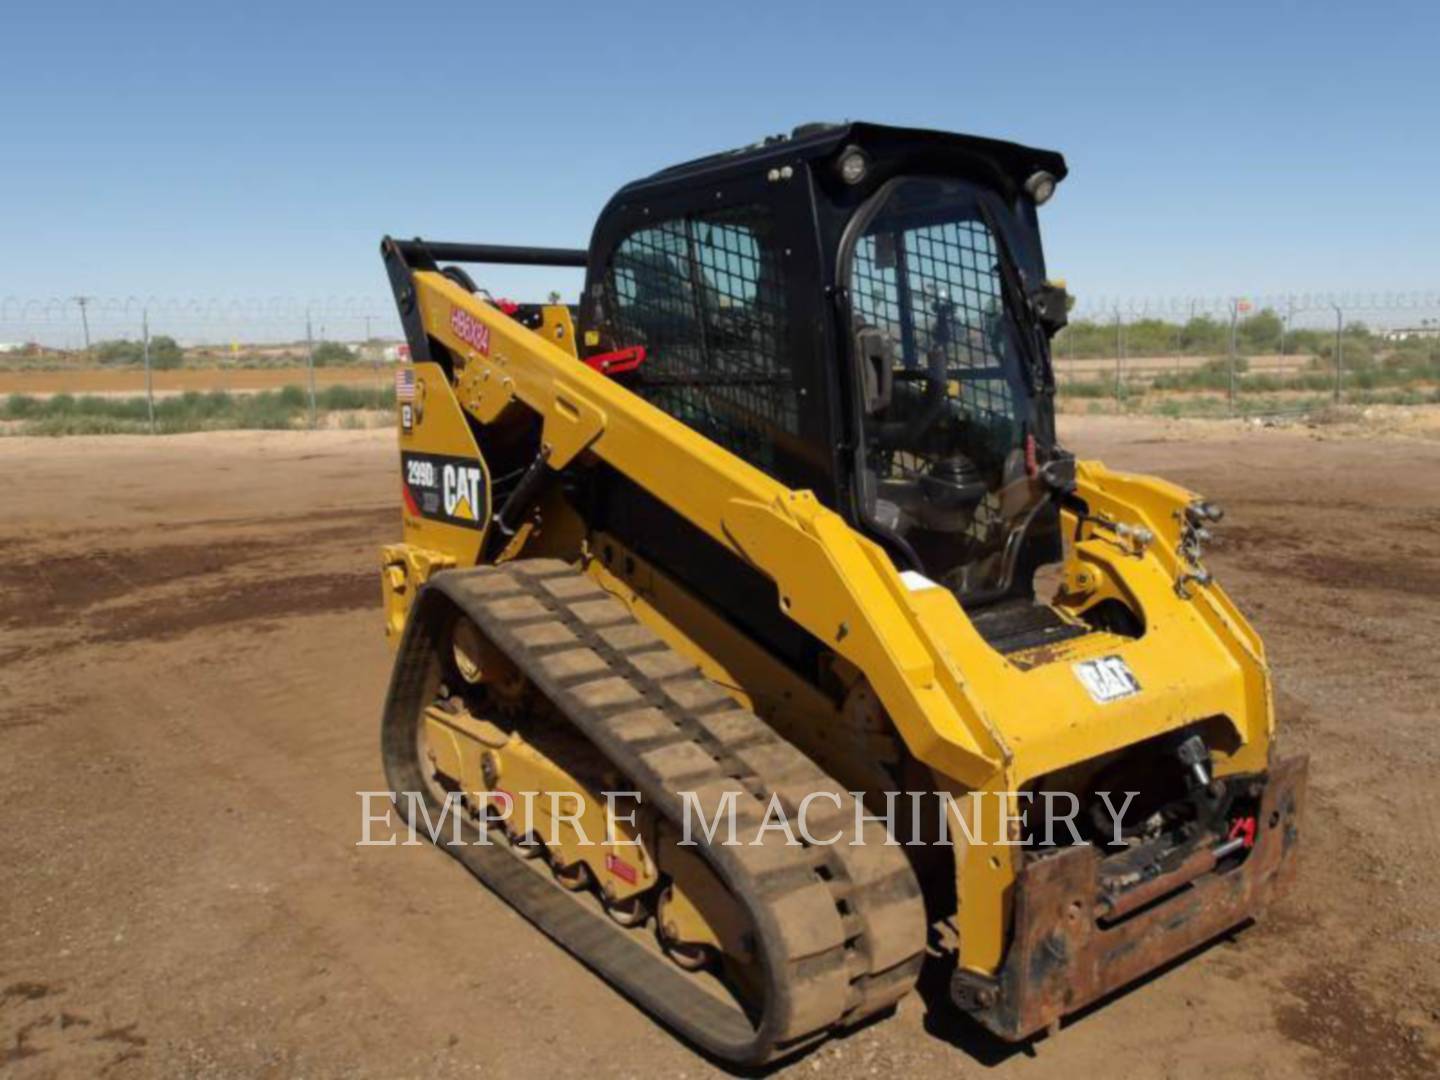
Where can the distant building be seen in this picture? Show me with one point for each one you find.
(1407, 333)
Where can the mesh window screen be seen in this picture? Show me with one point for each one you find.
(934, 286)
(705, 297)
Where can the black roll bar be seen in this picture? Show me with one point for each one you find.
(508, 254)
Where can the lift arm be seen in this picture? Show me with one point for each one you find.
(838, 585)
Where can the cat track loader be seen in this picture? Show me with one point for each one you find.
(763, 643)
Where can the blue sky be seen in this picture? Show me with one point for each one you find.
(259, 149)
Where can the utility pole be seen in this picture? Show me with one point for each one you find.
(1119, 353)
(1234, 324)
(84, 319)
(310, 363)
(1339, 349)
(149, 386)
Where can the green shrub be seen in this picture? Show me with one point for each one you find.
(93, 414)
(20, 406)
(1220, 365)
(1203, 334)
(1259, 332)
(118, 352)
(165, 353)
(1262, 384)
(345, 397)
(332, 352)
(1087, 389)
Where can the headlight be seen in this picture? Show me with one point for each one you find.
(1040, 186)
(853, 165)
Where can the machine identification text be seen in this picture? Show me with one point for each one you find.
(448, 489)
(470, 330)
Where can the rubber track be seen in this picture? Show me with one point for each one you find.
(840, 928)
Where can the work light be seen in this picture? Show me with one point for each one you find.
(1040, 186)
(853, 165)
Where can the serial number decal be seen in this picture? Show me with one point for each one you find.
(470, 330)
(444, 488)
(1107, 679)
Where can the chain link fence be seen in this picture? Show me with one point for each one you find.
(1260, 355)
(116, 347)
(1204, 356)
(69, 324)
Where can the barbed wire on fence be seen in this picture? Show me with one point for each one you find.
(194, 309)
(1102, 308)
(70, 322)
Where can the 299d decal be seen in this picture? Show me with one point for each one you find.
(443, 488)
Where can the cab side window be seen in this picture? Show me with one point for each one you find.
(704, 294)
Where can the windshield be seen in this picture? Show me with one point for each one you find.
(947, 384)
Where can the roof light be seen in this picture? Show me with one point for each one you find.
(1040, 186)
(853, 165)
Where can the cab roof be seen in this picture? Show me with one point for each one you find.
(1010, 162)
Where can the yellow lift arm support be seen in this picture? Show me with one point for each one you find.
(836, 584)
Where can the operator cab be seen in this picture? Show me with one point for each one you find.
(861, 311)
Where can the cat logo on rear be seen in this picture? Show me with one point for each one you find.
(1107, 679)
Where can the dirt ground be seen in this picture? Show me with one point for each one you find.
(192, 669)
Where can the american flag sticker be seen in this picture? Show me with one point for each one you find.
(405, 385)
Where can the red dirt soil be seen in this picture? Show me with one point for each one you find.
(193, 668)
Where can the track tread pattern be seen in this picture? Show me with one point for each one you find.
(843, 924)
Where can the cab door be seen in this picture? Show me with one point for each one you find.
(717, 279)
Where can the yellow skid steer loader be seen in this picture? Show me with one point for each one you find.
(763, 643)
